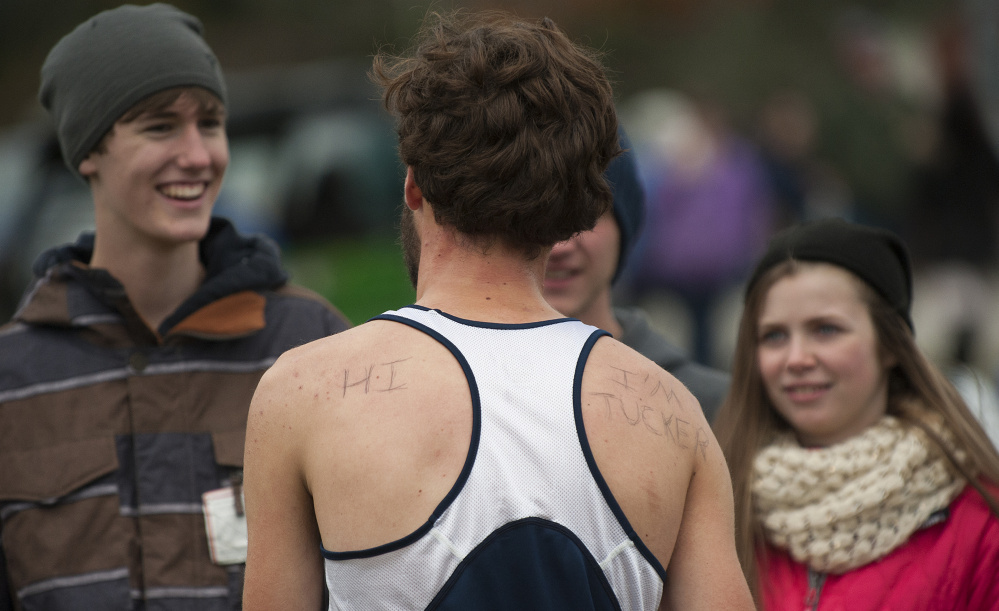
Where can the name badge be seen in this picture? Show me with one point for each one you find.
(225, 524)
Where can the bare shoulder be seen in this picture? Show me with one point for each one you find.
(346, 345)
(378, 421)
(332, 385)
(635, 397)
(366, 356)
(661, 461)
(648, 437)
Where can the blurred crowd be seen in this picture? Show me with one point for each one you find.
(903, 147)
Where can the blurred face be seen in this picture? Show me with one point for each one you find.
(580, 270)
(818, 355)
(159, 175)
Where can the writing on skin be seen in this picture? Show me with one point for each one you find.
(381, 377)
(635, 401)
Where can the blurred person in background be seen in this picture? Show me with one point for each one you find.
(804, 185)
(710, 213)
(582, 270)
(478, 450)
(861, 479)
(953, 231)
(868, 124)
(127, 371)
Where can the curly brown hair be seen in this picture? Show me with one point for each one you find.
(508, 126)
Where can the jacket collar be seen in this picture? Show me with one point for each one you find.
(67, 292)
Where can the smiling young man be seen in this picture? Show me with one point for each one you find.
(127, 371)
(582, 270)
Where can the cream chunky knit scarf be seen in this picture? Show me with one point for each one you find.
(841, 507)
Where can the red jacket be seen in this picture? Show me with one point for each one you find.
(949, 566)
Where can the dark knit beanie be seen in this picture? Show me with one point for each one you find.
(114, 60)
(876, 256)
(629, 198)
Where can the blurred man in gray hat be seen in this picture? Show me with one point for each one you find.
(581, 273)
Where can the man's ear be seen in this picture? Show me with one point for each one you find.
(88, 167)
(414, 195)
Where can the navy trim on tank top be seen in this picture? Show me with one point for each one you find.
(577, 393)
(465, 471)
(487, 325)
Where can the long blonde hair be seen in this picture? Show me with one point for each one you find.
(747, 420)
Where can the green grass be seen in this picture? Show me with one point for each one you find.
(362, 277)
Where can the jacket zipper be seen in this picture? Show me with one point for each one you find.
(815, 582)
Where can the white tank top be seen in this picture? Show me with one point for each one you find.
(529, 480)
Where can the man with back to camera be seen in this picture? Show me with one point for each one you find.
(477, 450)
(582, 270)
(127, 371)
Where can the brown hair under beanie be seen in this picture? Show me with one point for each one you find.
(114, 60)
(876, 256)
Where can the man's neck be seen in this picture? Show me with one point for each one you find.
(497, 284)
(156, 280)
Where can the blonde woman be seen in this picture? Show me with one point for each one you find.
(861, 479)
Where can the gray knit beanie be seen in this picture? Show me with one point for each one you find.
(114, 60)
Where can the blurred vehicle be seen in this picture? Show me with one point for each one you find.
(312, 158)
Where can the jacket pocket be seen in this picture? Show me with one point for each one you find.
(52, 472)
(65, 543)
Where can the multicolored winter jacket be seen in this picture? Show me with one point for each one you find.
(110, 431)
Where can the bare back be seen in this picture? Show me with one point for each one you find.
(396, 427)
(388, 437)
(648, 436)
(382, 416)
